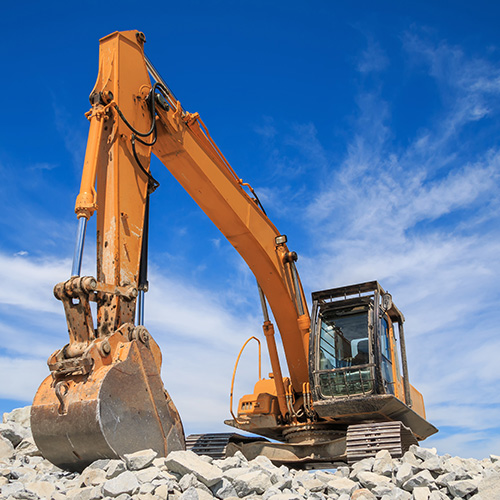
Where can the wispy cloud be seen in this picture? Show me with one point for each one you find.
(373, 58)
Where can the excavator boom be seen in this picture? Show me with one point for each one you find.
(77, 408)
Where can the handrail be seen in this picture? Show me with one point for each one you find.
(234, 374)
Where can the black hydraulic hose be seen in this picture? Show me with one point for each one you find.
(136, 135)
(143, 265)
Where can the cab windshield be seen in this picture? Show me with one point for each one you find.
(344, 354)
(344, 341)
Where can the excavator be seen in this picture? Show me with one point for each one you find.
(347, 393)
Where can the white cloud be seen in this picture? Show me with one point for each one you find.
(24, 376)
(31, 281)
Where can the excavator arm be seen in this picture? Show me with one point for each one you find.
(106, 381)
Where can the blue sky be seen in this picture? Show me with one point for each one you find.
(370, 131)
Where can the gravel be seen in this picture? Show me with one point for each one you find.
(420, 475)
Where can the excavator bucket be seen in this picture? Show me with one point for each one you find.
(108, 402)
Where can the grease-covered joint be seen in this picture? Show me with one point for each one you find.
(74, 350)
(75, 286)
(140, 333)
(104, 348)
(129, 292)
(290, 257)
(101, 98)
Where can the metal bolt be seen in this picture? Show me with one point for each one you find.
(162, 102)
(105, 348)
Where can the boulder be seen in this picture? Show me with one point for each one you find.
(186, 462)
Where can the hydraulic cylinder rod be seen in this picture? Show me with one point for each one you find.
(80, 241)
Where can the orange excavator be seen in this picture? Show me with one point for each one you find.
(347, 393)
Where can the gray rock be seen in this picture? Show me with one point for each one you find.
(25, 495)
(399, 494)
(283, 483)
(438, 495)
(14, 433)
(190, 481)
(253, 482)
(140, 459)
(102, 463)
(115, 468)
(423, 453)
(224, 489)
(126, 482)
(27, 447)
(371, 480)
(316, 496)
(364, 465)
(495, 458)
(162, 491)
(43, 489)
(196, 494)
(405, 472)
(93, 476)
(383, 464)
(453, 464)
(286, 496)
(20, 416)
(233, 473)
(410, 458)
(341, 485)
(24, 474)
(6, 449)
(185, 462)
(363, 494)
(422, 478)
(421, 493)
(124, 496)
(160, 463)
(87, 493)
(462, 488)
(445, 479)
(262, 462)
(228, 463)
(146, 488)
(11, 488)
(342, 472)
(324, 475)
(311, 483)
(433, 464)
(489, 487)
(58, 496)
(383, 489)
(270, 492)
(148, 475)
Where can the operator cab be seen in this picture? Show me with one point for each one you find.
(355, 343)
(357, 359)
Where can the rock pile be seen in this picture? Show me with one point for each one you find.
(420, 475)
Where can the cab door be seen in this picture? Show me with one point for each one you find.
(386, 355)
